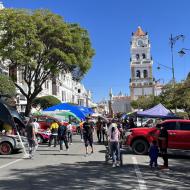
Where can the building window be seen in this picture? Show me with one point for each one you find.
(145, 73)
(63, 96)
(137, 56)
(144, 56)
(138, 74)
(47, 84)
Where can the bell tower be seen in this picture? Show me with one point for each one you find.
(1, 6)
(141, 81)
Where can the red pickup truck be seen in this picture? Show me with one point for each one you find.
(139, 139)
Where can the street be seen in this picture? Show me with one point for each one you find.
(54, 170)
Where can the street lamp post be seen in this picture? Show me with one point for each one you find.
(183, 51)
(173, 40)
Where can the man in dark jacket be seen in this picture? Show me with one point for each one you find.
(163, 145)
(31, 138)
(88, 134)
(62, 135)
(99, 130)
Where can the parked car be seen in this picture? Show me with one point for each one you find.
(139, 139)
(10, 144)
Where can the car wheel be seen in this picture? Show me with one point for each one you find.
(39, 139)
(140, 146)
(5, 148)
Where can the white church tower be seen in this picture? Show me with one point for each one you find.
(1, 5)
(141, 82)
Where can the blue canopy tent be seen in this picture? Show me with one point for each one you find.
(158, 111)
(86, 111)
(67, 107)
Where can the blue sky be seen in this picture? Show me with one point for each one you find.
(110, 24)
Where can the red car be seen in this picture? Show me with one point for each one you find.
(139, 139)
(45, 122)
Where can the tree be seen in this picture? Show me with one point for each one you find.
(167, 96)
(183, 96)
(145, 102)
(7, 87)
(42, 45)
(46, 101)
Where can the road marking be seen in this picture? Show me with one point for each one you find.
(4, 166)
(142, 183)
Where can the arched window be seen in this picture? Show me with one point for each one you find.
(137, 56)
(138, 74)
(144, 56)
(145, 73)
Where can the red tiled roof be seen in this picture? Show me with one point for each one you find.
(139, 32)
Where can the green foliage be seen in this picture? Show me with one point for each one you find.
(183, 96)
(182, 115)
(172, 97)
(7, 86)
(145, 102)
(167, 96)
(42, 44)
(46, 101)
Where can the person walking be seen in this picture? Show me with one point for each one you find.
(54, 129)
(163, 145)
(113, 138)
(81, 129)
(88, 135)
(69, 133)
(104, 131)
(36, 125)
(131, 123)
(99, 129)
(31, 137)
(62, 135)
(153, 154)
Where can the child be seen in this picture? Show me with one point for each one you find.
(153, 154)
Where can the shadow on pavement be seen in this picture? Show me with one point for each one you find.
(94, 175)
(81, 175)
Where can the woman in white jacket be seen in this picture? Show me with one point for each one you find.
(113, 138)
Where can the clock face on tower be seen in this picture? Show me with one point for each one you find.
(140, 43)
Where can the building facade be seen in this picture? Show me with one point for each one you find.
(119, 103)
(141, 81)
(62, 87)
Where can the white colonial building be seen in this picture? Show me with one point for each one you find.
(62, 87)
(141, 82)
(119, 103)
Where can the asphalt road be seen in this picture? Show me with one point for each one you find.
(54, 170)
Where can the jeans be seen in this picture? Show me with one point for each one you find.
(115, 151)
(99, 135)
(104, 135)
(53, 137)
(63, 140)
(69, 136)
(31, 144)
(153, 160)
(164, 155)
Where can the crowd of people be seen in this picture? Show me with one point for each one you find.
(109, 132)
